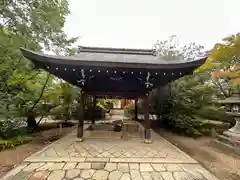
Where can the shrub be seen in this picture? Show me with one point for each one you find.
(11, 143)
(214, 112)
(178, 103)
(11, 128)
(129, 110)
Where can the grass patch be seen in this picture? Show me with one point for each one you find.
(22, 135)
(12, 143)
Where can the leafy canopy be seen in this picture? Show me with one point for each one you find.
(177, 103)
(36, 25)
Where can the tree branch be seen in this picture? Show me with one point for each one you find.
(33, 76)
(42, 91)
(47, 113)
(218, 84)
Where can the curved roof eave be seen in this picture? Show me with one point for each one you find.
(77, 61)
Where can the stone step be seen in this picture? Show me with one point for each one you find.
(117, 111)
(232, 135)
(227, 141)
(219, 144)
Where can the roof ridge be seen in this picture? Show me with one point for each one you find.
(116, 50)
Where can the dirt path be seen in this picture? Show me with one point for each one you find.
(221, 162)
(12, 157)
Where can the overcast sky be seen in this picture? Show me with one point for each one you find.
(139, 23)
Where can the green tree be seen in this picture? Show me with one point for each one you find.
(177, 103)
(67, 96)
(36, 25)
(223, 63)
(171, 49)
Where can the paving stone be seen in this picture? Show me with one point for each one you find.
(84, 166)
(182, 176)
(33, 166)
(72, 173)
(87, 173)
(70, 166)
(195, 174)
(206, 174)
(120, 152)
(197, 171)
(172, 167)
(115, 175)
(98, 165)
(40, 175)
(145, 167)
(158, 167)
(22, 175)
(100, 175)
(45, 167)
(125, 176)
(97, 159)
(146, 175)
(15, 170)
(134, 166)
(135, 174)
(56, 166)
(111, 167)
(156, 176)
(123, 167)
(167, 175)
(56, 175)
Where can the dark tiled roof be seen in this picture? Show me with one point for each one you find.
(113, 57)
(116, 50)
(101, 68)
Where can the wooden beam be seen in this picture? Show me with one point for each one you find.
(136, 110)
(81, 110)
(147, 130)
(128, 95)
(93, 109)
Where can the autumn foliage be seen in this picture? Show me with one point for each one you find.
(233, 75)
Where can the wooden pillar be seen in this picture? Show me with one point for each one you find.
(147, 130)
(136, 110)
(81, 110)
(93, 109)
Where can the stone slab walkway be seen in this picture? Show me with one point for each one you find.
(111, 171)
(108, 158)
(111, 150)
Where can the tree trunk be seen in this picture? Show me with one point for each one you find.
(31, 122)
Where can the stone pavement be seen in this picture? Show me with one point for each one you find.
(108, 170)
(111, 150)
(109, 158)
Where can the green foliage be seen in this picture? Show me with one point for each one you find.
(181, 103)
(105, 104)
(223, 63)
(129, 110)
(67, 96)
(8, 144)
(214, 112)
(170, 49)
(177, 104)
(9, 128)
(185, 103)
(225, 55)
(25, 91)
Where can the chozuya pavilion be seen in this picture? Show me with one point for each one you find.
(114, 73)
